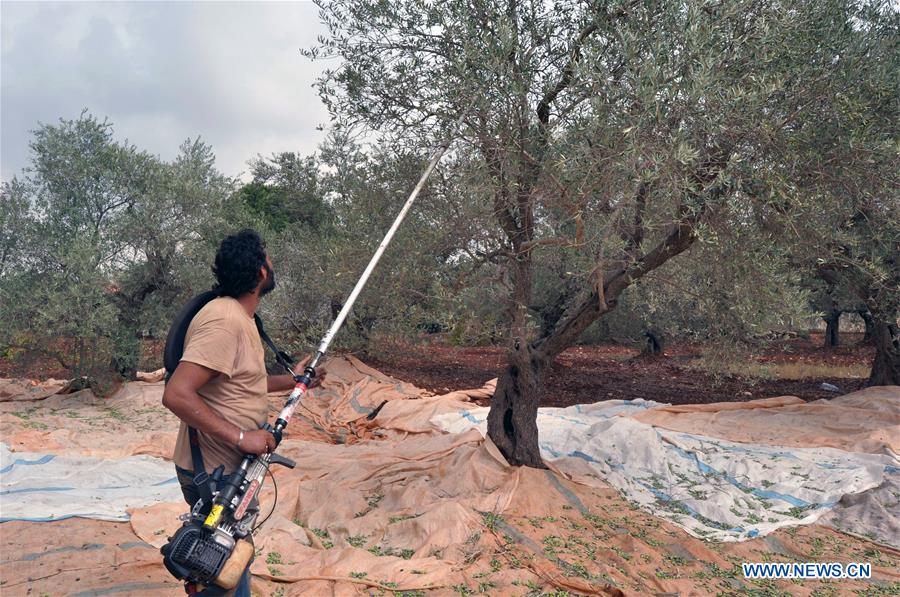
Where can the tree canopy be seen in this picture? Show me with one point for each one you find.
(619, 132)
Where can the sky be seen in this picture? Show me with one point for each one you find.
(162, 72)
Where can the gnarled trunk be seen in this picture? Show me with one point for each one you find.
(654, 342)
(869, 335)
(886, 366)
(512, 421)
(832, 325)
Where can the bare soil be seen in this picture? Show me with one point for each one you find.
(585, 374)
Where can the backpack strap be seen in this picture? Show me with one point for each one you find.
(283, 358)
(174, 347)
(201, 477)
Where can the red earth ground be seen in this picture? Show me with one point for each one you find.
(585, 374)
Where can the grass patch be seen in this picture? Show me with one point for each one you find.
(621, 553)
(357, 540)
(273, 558)
(578, 569)
(491, 520)
(323, 535)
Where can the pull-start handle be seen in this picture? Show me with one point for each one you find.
(279, 459)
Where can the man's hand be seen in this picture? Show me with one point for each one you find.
(257, 441)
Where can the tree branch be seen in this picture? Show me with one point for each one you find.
(543, 107)
(603, 297)
(635, 236)
(568, 72)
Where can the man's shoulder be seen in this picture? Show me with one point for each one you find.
(223, 311)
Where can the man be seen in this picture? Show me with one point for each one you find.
(219, 388)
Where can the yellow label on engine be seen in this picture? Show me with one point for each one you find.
(214, 516)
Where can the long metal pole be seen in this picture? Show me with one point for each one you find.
(310, 370)
(345, 310)
(255, 474)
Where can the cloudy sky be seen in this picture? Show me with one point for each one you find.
(162, 72)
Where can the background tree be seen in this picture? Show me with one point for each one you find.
(171, 232)
(59, 289)
(830, 302)
(285, 191)
(103, 242)
(728, 294)
(621, 132)
(844, 179)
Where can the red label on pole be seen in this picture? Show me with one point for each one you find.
(245, 502)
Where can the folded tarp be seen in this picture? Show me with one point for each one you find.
(42, 487)
(24, 389)
(864, 421)
(711, 487)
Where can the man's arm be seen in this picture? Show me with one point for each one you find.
(181, 397)
(279, 383)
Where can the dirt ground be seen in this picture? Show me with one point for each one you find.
(571, 535)
(586, 374)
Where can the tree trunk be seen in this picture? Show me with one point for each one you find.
(512, 420)
(654, 342)
(886, 366)
(869, 336)
(832, 323)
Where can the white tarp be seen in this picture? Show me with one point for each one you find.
(42, 487)
(711, 487)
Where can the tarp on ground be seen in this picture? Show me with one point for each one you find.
(396, 504)
(25, 389)
(40, 487)
(711, 487)
(864, 421)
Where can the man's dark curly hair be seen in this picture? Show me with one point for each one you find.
(238, 260)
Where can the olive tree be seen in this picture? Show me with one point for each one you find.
(56, 292)
(843, 181)
(620, 131)
(102, 242)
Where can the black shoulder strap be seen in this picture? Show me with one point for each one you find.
(201, 477)
(283, 358)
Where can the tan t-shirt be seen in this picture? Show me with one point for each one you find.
(222, 337)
